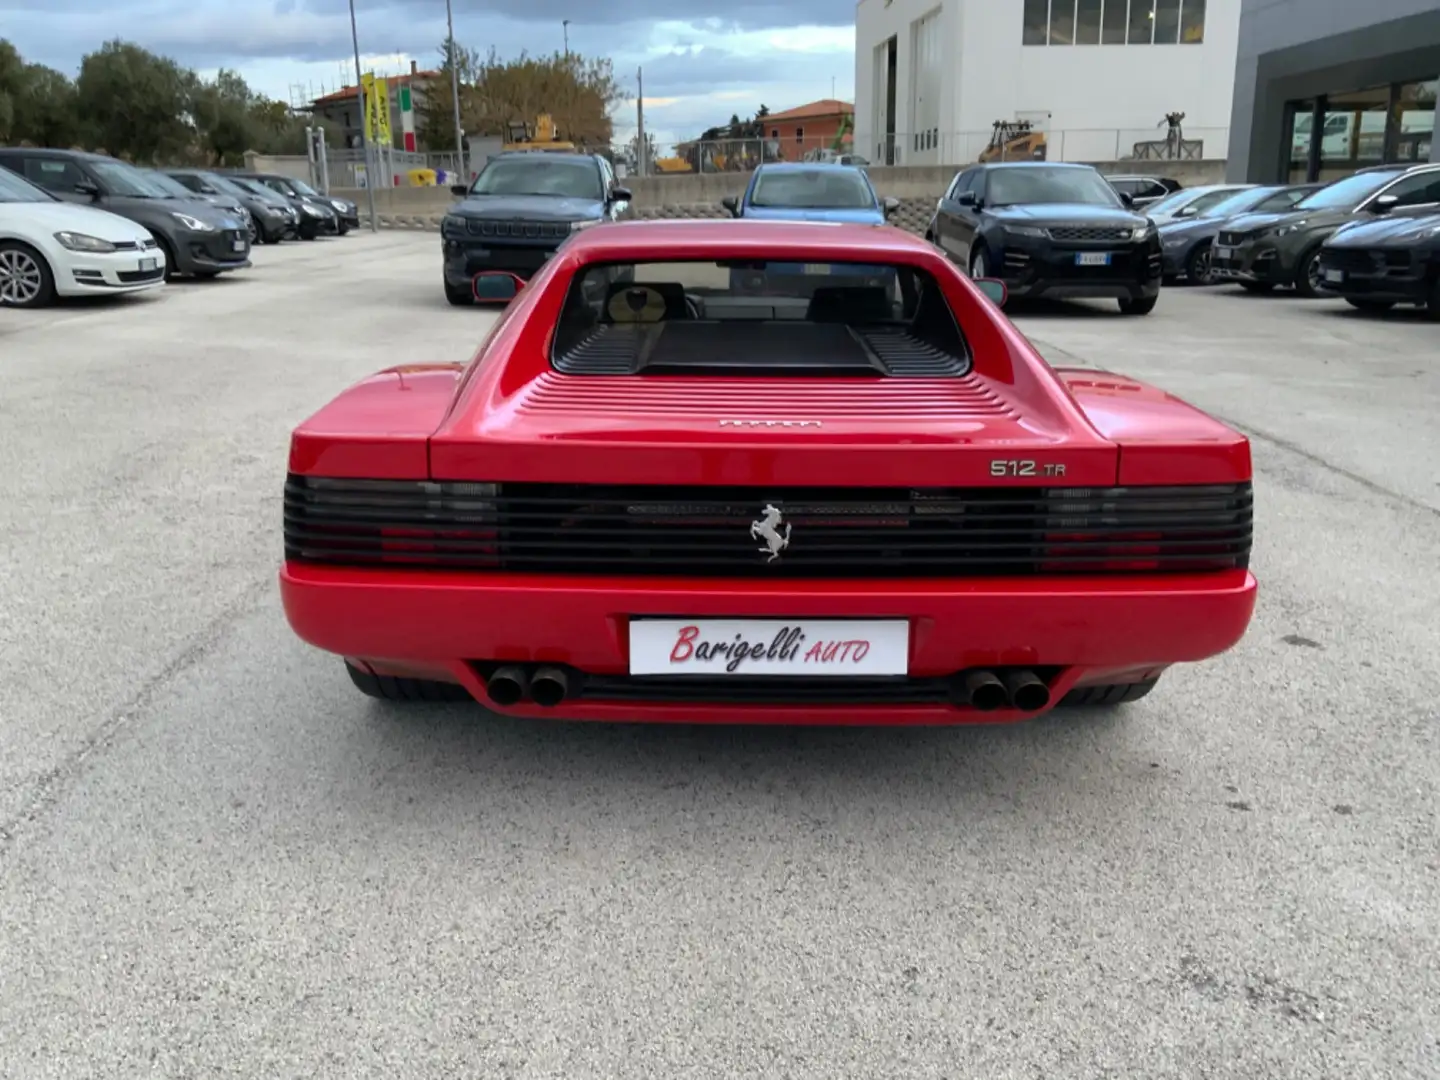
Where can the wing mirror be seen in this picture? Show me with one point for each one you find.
(496, 286)
(891, 204)
(1385, 203)
(460, 190)
(620, 194)
(993, 288)
(731, 203)
(1127, 198)
(966, 198)
(88, 187)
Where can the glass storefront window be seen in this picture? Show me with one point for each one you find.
(1414, 120)
(1302, 118)
(1354, 134)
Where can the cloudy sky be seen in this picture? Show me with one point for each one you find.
(702, 59)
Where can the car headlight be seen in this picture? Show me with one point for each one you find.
(1026, 230)
(74, 241)
(338, 205)
(312, 210)
(576, 226)
(1143, 232)
(1286, 230)
(192, 223)
(452, 225)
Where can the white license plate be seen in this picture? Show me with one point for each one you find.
(1223, 252)
(149, 264)
(817, 269)
(1335, 275)
(237, 245)
(1092, 258)
(749, 647)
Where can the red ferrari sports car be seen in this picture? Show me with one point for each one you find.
(841, 498)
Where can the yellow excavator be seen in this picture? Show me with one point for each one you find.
(540, 136)
(1013, 140)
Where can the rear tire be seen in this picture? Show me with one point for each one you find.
(394, 688)
(459, 297)
(1432, 302)
(978, 268)
(1370, 305)
(1143, 306)
(1107, 696)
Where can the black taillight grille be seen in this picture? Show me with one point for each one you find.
(653, 531)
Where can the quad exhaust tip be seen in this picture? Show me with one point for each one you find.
(508, 685)
(1019, 689)
(549, 687)
(1026, 692)
(985, 692)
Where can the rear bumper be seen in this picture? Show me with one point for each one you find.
(1085, 631)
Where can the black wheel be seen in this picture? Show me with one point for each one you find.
(1432, 302)
(171, 268)
(254, 231)
(26, 280)
(1307, 274)
(1197, 266)
(459, 297)
(1143, 306)
(393, 688)
(1121, 694)
(1257, 286)
(342, 229)
(1370, 305)
(978, 267)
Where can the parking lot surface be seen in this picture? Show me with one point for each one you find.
(217, 859)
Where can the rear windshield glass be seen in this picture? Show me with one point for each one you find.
(813, 189)
(758, 317)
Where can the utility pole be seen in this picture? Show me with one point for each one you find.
(832, 87)
(364, 139)
(455, 95)
(640, 154)
(566, 25)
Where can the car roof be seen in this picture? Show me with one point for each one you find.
(546, 155)
(703, 239)
(48, 151)
(1076, 165)
(807, 166)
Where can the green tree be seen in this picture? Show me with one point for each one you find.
(46, 112)
(137, 104)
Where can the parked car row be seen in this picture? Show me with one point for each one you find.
(76, 224)
(1056, 230)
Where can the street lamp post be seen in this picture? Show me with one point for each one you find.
(364, 139)
(455, 94)
(565, 25)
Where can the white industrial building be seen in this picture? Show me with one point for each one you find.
(1096, 76)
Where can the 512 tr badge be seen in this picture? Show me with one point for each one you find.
(1012, 467)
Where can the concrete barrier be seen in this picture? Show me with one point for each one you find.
(664, 196)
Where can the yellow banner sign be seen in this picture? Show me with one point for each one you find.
(382, 113)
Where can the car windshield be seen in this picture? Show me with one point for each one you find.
(757, 316)
(170, 185)
(563, 179)
(127, 181)
(15, 190)
(223, 185)
(1239, 201)
(1020, 185)
(303, 188)
(1348, 193)
(812, 189)
(1172, 202)
(275, 183)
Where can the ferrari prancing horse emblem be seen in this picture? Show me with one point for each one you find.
(768, 528)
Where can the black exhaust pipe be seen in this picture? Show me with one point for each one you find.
(549, 687)
(508, 685)
(1026, 692)
(985, 692)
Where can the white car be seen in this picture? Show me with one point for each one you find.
(50, 248)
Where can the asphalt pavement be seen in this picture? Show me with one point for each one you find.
(217, 859)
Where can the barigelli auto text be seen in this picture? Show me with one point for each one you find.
(785, 648)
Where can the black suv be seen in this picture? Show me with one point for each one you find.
(1051, 230)
(1261, 251)
(521, 208)
(198, 238)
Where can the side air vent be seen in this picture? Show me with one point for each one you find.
(605, 350)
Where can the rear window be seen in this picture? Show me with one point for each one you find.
(812, 189)
(758, 318)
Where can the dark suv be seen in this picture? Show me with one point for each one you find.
(1261, 251)
(1050, 230)
(523, 206)
(198, 238)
